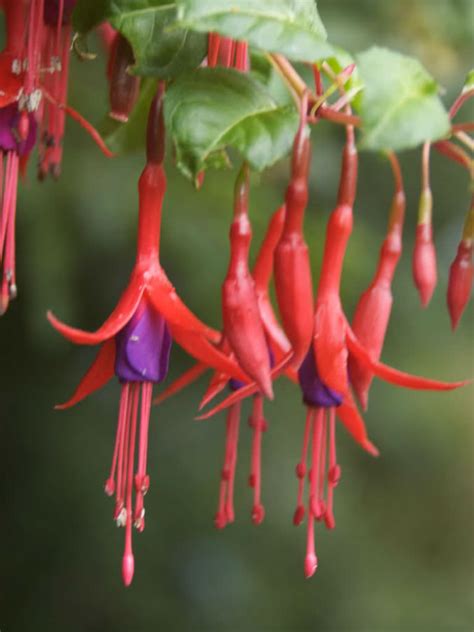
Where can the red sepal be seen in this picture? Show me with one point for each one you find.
(394, 376)
(354, 424)
(98, 374)
(245, 391)
(181, 382)
(123, 312)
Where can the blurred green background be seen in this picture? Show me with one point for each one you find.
(401, 557)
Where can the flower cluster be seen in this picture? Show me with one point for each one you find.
(310, 341)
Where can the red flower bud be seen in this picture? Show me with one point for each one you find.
(424, 263)
(123, 87)
(461, 275)
(243, 327)
(293, 282)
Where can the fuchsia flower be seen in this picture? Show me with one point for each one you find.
(324, 373)
(279, 351)
(136, 342)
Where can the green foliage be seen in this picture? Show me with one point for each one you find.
(159, 51)
(469, 83)
(290, 27)
(400, 107)
(208, 111)
(212, 108)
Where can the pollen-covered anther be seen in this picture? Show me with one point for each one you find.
(109, 487)
(139, 520)
(318, 508)
(300, 470)
(258, 514)
(298, 516)
(120, 516)
(142, 484)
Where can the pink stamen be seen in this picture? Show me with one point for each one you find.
(322, 469)
(334, 472)
(128, 562)
(301, 468)
(110, 482)
(229, 506)
(259, 425)
(314, 475)
(123, 423)
(8, 288)
(220, 519)
(311, 561)
(142, 480)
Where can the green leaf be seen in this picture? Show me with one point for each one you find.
(290, 27)
(212, 108)
(469, 82)
(159, 51)
(400, 107)
(130, 136)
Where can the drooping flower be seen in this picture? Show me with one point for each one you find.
(372, 314)
(135, 345)
(279, 351)
(293, 282)
(324, 373)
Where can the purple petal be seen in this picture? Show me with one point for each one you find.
(143, 347)
(9, 136)
(315, 392)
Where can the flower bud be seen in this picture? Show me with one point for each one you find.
(123, 87)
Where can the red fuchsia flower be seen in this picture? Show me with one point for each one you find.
(278, 349)
(424, 254)
(293, 283)
(323, 376)
(243, 328)
(34, 61)
(136, 342)
(461, 272)
(373, 310)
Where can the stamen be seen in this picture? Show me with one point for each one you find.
(315, 506)
(128, 563)
(142, 480)
(120, 493)
(259, 425)
(334, 471)
(311, 561)
(110, 482)
(229, 507)
(301, 468)
(220, 519)
(322, 468)
(225, 509)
